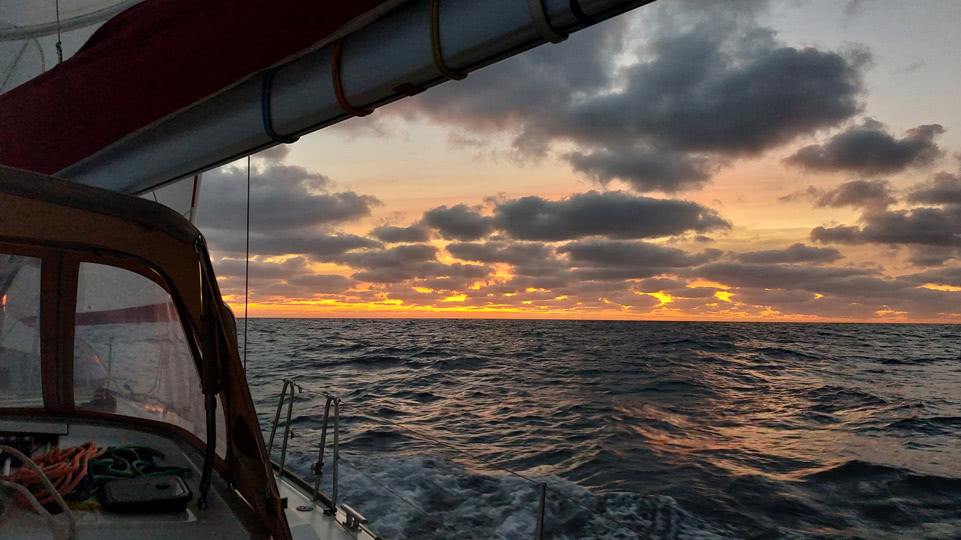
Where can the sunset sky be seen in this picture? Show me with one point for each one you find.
(784, 160)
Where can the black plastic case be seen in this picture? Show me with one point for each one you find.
(146, 495)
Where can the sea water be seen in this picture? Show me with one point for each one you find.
(637, 429)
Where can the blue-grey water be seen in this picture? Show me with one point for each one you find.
(661, 430)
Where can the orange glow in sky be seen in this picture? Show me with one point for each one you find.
(516, 193)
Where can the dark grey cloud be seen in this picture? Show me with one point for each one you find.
(709, 84)
(322, 283)
(229, 267)
(795, 253)
(932, 255)
(692, 292)
(724, 90)
(422, 270)
(942, 276)
(611, 214)
(458, 222)
(869, 149)
(397, 235)
(524, 253)
(922, 226)
(645, 169)
(944, 188)
(405, 262)
(606, 253)
(873, 194)
(395, 256)
(832, 291)
(318, 245)
(778, 276)
(658, 284)
(618, 260)
(282, 197)
(292, 277)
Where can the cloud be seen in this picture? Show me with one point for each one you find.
(405, 262)
(922, 226)
(291, 277)
(618, 260)
(709, 84)
(657, 284)
(397, 235)
(778, 276)
(501, 252)
(944, 188)
(869, 149)
(612, 214)
(873, 194)
(942, 276)
(458, 222)
(275, 153)
(230, 267)
(603, 253)
(857, 193)
(282, 197)
(644, 169)
(907, 69)
(318, 245)
(322, 283)
(932, 256)
(796, 253)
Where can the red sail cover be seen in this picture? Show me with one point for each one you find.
(150, 61)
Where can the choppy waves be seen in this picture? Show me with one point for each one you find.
(640, 430)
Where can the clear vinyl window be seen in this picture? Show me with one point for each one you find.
(130, 353)
(20, 384)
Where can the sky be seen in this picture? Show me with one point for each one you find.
(794, 160)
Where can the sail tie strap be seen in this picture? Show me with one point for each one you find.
(542, 24)
(265, 112)
(439, 64)
(339, 86)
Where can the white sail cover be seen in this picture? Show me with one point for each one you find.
(29, 33)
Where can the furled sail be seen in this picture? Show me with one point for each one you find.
(170, 88)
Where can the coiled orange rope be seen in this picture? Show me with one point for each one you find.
(65, 467)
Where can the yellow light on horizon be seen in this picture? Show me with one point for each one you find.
(723, 295)
(456, 298)
(423, 290)
(664, 298)
(937, 287)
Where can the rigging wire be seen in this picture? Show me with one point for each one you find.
(59, 42)
(247, 266)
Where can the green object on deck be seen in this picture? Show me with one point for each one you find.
(131, 461)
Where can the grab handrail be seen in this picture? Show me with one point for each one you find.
(288, 392)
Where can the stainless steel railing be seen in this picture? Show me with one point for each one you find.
(353, 520)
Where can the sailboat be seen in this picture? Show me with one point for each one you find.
(114, 338)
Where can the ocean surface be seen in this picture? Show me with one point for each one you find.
(638, 429)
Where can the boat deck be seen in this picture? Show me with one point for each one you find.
(219, 520)
(222, 519)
